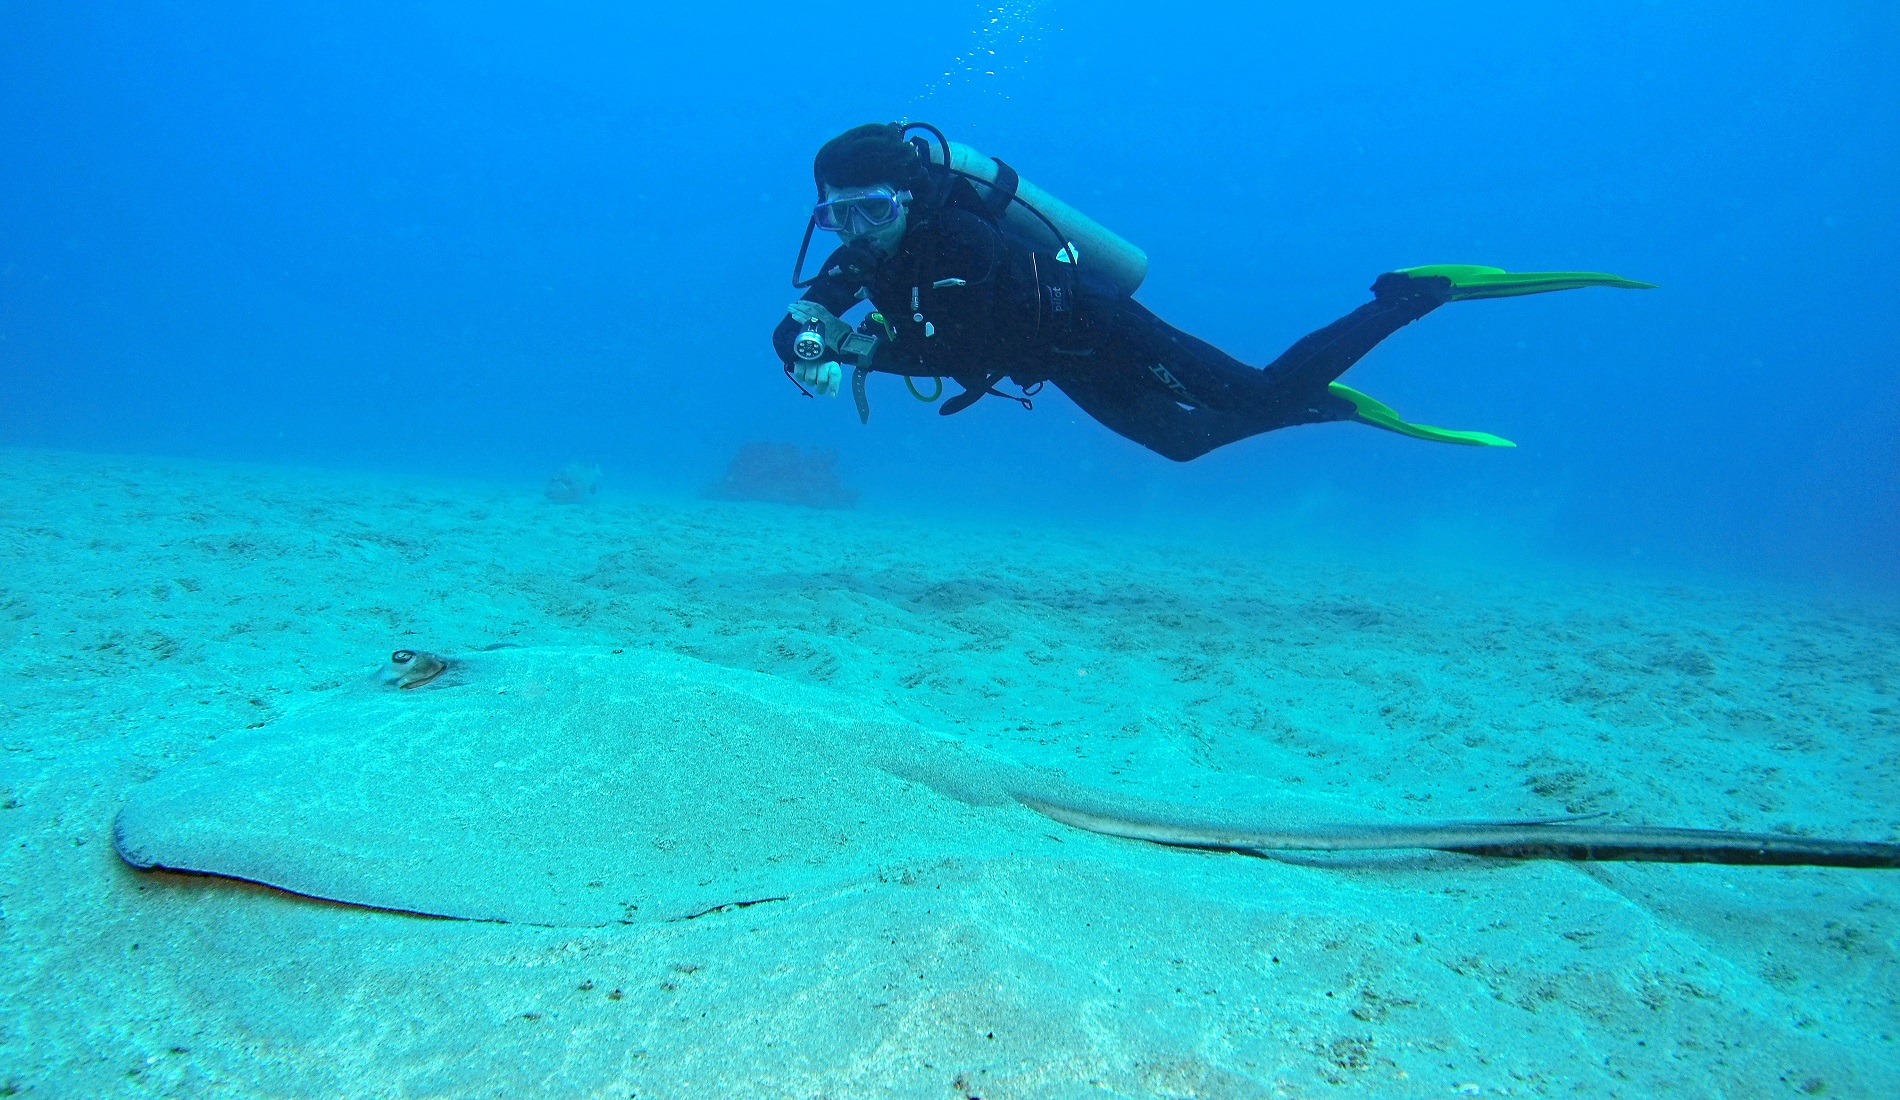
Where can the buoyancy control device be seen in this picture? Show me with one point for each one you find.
(1045, 222)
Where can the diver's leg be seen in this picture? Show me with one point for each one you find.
(1205, 377)
(1191, 370)
(1132, 407)
(1319, 358)
(1170, 392)
(1178, 395)
(1182, 397)
(1296, 382)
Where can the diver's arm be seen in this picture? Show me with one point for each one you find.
(825, 345)
(885, 357)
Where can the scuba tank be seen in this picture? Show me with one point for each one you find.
(1039, 219)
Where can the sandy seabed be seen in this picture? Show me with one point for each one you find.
(150, 607)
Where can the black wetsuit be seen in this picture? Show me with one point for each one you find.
(968, 302)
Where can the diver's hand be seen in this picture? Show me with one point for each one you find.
(824, 378)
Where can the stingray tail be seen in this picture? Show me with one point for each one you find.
(1559, 839)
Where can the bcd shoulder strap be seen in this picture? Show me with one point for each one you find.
(1002, 189)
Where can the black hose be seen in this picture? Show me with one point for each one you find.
(798, 265)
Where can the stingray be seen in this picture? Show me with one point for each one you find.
(1568, 838)
(583, 787)
(568, 787)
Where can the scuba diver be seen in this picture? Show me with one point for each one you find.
(977, 275)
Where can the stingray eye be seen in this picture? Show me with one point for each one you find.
(402, 656)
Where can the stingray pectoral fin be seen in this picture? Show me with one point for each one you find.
(1512, 840)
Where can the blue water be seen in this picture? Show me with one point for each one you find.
(488, 239)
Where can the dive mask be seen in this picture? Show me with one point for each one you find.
(860, 213)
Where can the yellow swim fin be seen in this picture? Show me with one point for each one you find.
(1381, 415)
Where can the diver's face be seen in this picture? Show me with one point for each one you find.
(856, 227)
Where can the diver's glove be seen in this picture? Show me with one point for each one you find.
(825, 378)
(1461, 282)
